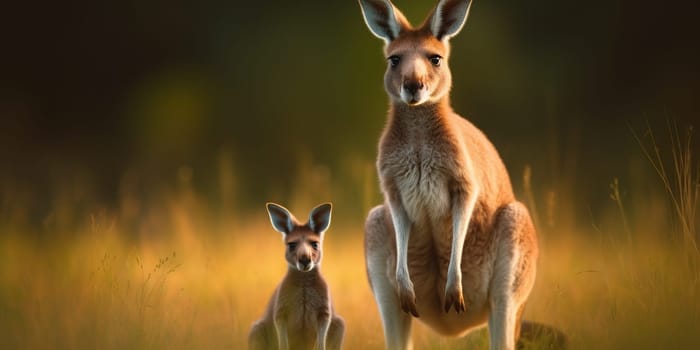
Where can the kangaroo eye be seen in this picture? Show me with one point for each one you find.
(314, 245)
(292, 245)
(435, 60)
(394, 60)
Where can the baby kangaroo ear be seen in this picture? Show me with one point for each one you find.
(383, 19)
(448, 18)
(320, 218)
(281, 219)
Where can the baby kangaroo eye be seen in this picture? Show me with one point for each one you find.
(435, 60)
(292, 245)
(314, 245)
(394, 60)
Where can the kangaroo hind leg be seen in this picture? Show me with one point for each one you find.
(334, 341)
(262, 336)
(513, 274)
(380, 255)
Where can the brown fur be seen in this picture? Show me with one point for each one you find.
(301, 304)
(442, 179)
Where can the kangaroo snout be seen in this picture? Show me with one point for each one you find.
(413, 91)
(412, 86)
(304, 263)
(304, 251)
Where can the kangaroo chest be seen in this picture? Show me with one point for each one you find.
(300, 304)
(422, 173)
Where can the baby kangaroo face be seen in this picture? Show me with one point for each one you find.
(303, 249)
(417, 70)
(304, 241)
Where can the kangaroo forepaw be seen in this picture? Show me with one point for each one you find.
(407, 298)
(454, 296)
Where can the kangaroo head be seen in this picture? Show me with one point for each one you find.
(417, 70)
(304, 242)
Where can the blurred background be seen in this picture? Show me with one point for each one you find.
(139, 141)
(245, 101)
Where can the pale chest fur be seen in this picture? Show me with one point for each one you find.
(422, 175)
(421, 160)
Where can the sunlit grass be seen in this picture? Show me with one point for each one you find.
(99, 291)
(190, 290)
(681, 182)
(189, 281)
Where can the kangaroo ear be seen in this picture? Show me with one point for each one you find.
(282, 220)
(383, 19)
(448, 18)
(320, 218)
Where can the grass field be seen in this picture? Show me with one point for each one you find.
(190, 282)
(99, 292)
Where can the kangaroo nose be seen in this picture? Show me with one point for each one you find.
(412, 86)
(305, 260)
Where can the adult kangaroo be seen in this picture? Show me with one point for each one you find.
(450, 234)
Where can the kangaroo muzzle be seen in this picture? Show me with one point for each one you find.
(304, 261)
(413, 92)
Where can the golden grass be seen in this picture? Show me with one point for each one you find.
(190, 282)
(194, 290)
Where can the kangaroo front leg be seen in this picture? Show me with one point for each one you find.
(462, 202)
(402, 227)
(324, 322)
(282, 340)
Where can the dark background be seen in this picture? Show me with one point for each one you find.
(96, 96)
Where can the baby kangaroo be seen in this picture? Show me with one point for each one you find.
(451, 234)
(300, 314)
